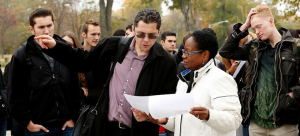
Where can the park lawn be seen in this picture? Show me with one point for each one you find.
(3, 64)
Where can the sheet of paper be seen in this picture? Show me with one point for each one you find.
(138, 102)
(161, 106)
(238, 68)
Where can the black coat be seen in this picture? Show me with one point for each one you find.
(286, 74)
(3, 101)
(38, 93)
(158, 76)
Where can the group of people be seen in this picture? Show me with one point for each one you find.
(50, 78)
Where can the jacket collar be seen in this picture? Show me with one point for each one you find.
(185, 75)
(31, 46)
(286, 37)
(156, 50)
(203, 70)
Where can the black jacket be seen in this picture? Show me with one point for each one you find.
(158, 76)
(38, 93)
(286, 109)
(3, 101)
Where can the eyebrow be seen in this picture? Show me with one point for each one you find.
(44, 25)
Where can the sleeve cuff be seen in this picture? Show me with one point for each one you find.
(237, 33)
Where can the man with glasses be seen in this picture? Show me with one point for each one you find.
(142, 68)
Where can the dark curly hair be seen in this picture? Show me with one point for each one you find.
(206, 41)
(148, 16)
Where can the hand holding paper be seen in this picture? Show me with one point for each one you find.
(161, 106)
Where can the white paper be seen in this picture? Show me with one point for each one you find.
(238, 68)
(161, 106)
(140, 103)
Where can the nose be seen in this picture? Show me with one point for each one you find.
(97, 37)
(46, 30)
(257, 32)
(146, 39)
(183, 56)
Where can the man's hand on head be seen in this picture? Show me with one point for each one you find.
(45, 41)
(247, 24)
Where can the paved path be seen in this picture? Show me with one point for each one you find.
(2, 69)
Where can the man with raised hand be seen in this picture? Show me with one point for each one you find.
(270, 98)
(43, 95)
(142, 68)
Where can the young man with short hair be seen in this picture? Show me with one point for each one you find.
(129, 32)
(270, 98)
(168, 41)
(91, 33)
(43, 95)
(142, 68)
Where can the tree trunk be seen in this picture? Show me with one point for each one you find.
(105, 18)
(186, 15)
(2, 46)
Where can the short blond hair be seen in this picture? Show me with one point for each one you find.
(262, 11)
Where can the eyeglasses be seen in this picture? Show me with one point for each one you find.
(190, 53)
(149, 36)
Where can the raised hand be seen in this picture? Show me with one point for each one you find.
(247, 24)
(45, 41)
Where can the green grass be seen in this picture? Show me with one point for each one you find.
(3, 64)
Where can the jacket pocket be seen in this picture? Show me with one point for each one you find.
(291, 110)
(288, 64)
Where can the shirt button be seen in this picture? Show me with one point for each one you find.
(124, 92)
(120, 115)
(130, 68)
(127, 80)
(121, 104)
(3, 105)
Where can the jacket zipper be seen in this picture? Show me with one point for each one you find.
(277, 99)
(180, 125)
(55, 95)
(255, 77)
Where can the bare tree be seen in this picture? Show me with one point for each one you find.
(105, 17)
(59, 9)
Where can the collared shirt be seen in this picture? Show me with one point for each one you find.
(123, 81)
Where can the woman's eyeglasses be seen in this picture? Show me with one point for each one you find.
(190, 53)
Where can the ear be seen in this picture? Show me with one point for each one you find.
(206, 55)
(162, 42)
(32, 30)
(159, 31)
(83, 34)
(132, 27)
(272, 22)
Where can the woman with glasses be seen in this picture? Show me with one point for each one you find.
(217, 111)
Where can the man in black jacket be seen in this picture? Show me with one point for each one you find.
(270, 98)
(44, 95)
(143, 68)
